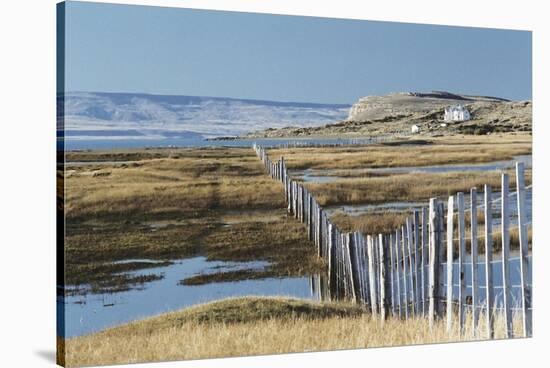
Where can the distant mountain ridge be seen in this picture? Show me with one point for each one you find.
(97, 114)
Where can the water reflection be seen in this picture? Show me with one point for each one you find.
(329, 175)
(85, 314)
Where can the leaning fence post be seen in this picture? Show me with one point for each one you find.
(489, 295)
(450, 235)
(505, 227)
(405, 271)
(473, 251)
(347, 240)
(331, 258)
(372, 274)
(424, 259)
(417, 270)
(524, 251)
(392, 273)
(461, 268)
(434, 259)
(441, 231)
(398, 270)
(412, 270)
(382, 277)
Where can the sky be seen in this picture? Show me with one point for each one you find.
(159, 50)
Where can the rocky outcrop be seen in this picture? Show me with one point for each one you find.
(407, 103)
(396, 113)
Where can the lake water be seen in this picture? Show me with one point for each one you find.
(104, 144)
(327, 176)
(316, 176)
(89, 313)
(515, 280)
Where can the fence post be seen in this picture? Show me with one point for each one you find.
(312, 213)
(450, 237)
(461, 266)
(347, 240)
(295, 199)
(382, 277)
(392, 273)
(434, 259)
(319, 230)
(405, 271)
(489, 295)
(524, 251)
(365, 267)
(473, 251)
(424, 261)
(372, 275)
(417, 270)
(505, 227)
(331, 258)
(441, 222)
(412, 269)
(398, 270)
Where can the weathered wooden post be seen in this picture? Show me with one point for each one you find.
(412, 268)
(365, 267)
(450, 235)
(372, 274)
(473, 251)
(354, 254)
(489, 295)
(505, 227)
(319, 230)
(424, 261)
(331, 258)
(348, 244)
(300, 203)
(527, 315)
(391, 249)
(303, 202)
(405, 271)
(398, 270)
(310, 216)
(434, 259)
(461, 266)
(382, 276)
(416, 263)
(290, 185)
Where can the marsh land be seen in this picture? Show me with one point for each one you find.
(129, 211)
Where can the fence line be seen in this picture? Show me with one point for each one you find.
(399, 273)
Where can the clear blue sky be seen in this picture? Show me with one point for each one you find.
(124, 48)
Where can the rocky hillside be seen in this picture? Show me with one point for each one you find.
(396, 113)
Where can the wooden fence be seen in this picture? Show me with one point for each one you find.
(419, 269)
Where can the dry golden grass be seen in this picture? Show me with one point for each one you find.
(170, 185)
(171, 204)
(184, 335)
(371, 223)
(439, 152)
(404, 187)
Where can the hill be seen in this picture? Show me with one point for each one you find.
(100, 114)
(394, 114)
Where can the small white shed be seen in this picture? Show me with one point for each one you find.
(415, 129)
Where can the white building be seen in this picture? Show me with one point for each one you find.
(456, 113)
(415, 129)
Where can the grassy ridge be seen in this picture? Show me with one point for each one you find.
(251, 326)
